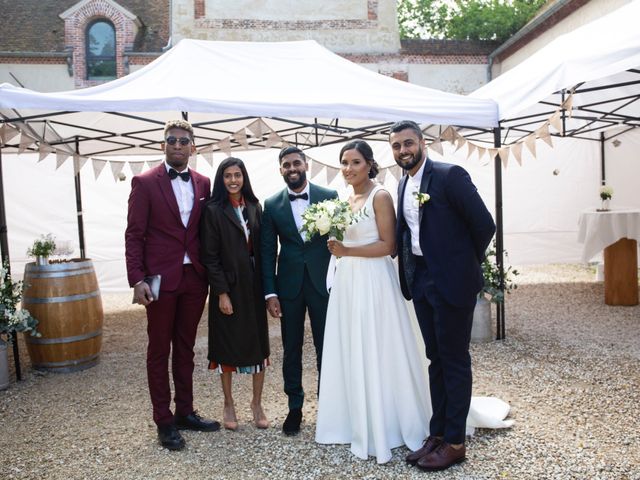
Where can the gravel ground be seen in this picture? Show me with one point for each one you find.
(569, 369)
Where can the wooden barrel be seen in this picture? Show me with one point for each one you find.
(65, 299)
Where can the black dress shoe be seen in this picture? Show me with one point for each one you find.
(195, 422)
(291, 425)
(170, 438)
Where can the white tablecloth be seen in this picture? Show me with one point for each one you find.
(598, 230)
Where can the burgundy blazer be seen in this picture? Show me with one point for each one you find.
(155, 239)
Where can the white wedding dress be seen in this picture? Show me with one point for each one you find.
(374, 392)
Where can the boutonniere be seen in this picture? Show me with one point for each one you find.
(421, 198)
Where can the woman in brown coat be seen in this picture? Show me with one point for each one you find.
(238, 329)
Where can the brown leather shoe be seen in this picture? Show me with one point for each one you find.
(430, 444)
(442, 457)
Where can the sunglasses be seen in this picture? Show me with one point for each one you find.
(171, 140)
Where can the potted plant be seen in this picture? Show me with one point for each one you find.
(42, 249)
(12, 319)
(606, 192)
(490, 293)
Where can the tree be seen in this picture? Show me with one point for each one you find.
(464, 19)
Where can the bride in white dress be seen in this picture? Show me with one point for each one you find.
(374, 391)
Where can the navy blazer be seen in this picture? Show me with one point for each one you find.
(455, 231)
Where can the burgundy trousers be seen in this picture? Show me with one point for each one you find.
(172, 322)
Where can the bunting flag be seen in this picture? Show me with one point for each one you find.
(273, 139)
(78, 163)
(257, 128)
(449, 134)
(241, 138)
(436, 146)
(44, 150)
(316, 168)
(154, 163)
(516, 151)
(382, 174)
(530, 143)
(25, 142)
(207, 153)
(543, 134)
(492, 153)
(98, 165)
(136, 167)
(331, 174)
(7, 132)
(225, 146)
(396, 171)
(504, 155)
(61, 157)
(193, 161)
(568, 104)
(472, 150)
(460, 142)
(481, 152)
(555, 121)
(116, 169)
(320, 169)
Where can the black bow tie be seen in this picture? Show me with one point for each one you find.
(183, 175)
(303, 196)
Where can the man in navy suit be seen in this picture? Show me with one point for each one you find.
(443, 231)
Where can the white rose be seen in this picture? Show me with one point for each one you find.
(324, 224)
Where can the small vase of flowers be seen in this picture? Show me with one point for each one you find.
(42, 249)
(606, 192)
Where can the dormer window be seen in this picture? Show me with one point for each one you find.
(101, 50)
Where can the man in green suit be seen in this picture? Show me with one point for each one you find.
(299, 285)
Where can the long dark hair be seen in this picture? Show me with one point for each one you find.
(365, 150)
(220, 194)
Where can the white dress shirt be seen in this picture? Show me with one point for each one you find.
(184, 196)
(298, 207)
(411, 208)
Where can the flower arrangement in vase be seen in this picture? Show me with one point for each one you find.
(42, 249)
(491, 274)
(606, 192)
(13, 319)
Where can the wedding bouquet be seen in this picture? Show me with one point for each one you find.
(606, 192)
(13, 319)
(330, 216)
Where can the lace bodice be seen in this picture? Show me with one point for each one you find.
(365, 231)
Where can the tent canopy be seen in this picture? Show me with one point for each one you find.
(311, 96)
(599, 63)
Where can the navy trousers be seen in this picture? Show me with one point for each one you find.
(446, 330)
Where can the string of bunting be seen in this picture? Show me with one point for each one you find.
(259, 130)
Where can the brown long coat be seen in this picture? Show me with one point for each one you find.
(240, 339)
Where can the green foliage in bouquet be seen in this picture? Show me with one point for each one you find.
(13, 319)
(43, 246)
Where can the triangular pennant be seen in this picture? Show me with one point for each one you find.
(98, 165)
(318, 172)
(481, 153)
(530, 143)
(449, 134)
(460, 142)
(241, 138)
(225, 146)
(207, 153)
(272, 139)
(543, 134)
(556, 122)
(316, 167)
(516, 151)
(61, 157)
(193, 162)
(136, 167)
(44, 150)
(472, 149)
(154, 163)
(568, 104)
(256, 128)
(492, 153)
(504, 155)
(7, 132)
(116, 169)
(436, 146)
(25, 142)
(382, 174)
(396, 171)
(331, 174)
(78, 162)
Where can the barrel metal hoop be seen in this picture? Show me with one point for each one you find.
(66, 363)
(75, 338)
(68, 298)
(62, 266)
(54, 274)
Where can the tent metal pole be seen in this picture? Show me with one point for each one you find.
(500, 316)
(603, 175)
(4, 246)
(79, 201)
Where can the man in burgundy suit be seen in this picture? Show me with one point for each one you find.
(162, 238)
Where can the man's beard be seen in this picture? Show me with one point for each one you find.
(415, 161)
(294, 185)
